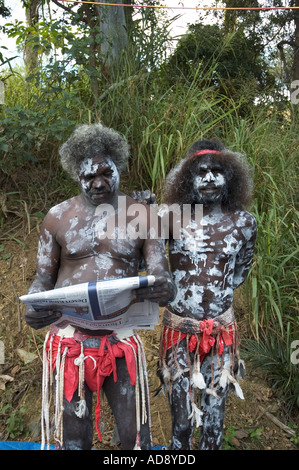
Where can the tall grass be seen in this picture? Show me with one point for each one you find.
(272, 146)
(273, 149)
(161, 122)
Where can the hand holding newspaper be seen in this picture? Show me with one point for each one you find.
(108, 305)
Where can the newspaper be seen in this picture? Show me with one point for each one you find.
(108, 305)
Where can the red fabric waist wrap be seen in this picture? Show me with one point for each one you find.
(203, 341)
(99, 363)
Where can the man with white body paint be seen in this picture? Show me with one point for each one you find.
(199, 341)
(73, 250)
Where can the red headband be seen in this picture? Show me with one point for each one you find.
(204, 152)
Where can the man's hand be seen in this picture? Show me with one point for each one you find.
(39, 320)
(162, 292)
(145, 197)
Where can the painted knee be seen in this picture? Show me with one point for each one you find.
(210, 439)
(213, 420)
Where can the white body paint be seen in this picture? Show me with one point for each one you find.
(207, 271)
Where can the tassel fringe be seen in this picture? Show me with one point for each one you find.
(81, 409)
(197, 377)
(141, 388)
(196, 415)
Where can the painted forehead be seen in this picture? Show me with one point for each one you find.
(210, 162)
(90, 166)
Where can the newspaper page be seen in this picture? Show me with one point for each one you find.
(108, 305)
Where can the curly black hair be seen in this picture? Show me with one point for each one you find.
(237, 172)
(89, 141)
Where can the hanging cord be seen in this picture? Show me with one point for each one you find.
(141, 387)
(141, 354)
(45, 419)
(81, 408)
(159, 7)
(58, 435)
(137, 398)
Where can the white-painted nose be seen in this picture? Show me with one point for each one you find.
(209, 177)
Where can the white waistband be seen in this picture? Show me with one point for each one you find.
(69, 331)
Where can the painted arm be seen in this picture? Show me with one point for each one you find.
(245, 255)
(164, 290)
(156, 263)
(47, 266)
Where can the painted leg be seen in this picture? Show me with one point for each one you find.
(77, 432)
(180, 405)
(180, 402)
(122, 401)
(213, 408)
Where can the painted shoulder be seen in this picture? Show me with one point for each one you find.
(60, 210)
(58, 214)
(247, 224)
(244, 218)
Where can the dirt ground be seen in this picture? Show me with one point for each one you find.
(253, 424)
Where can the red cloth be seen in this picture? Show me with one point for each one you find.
(205, 340)
(101, 364)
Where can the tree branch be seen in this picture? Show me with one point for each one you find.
(277, 422)
(60, 5)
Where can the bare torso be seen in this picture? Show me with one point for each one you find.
(207, 270)
(85, 255)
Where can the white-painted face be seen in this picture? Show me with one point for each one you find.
(209, 182)
(99, 179)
